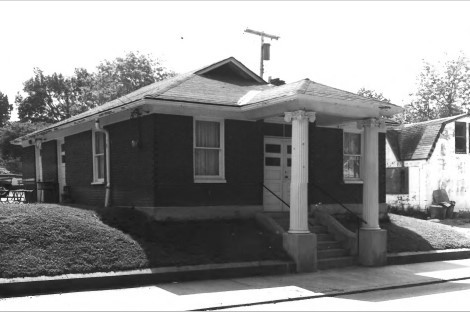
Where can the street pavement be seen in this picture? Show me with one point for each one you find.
(353, 288)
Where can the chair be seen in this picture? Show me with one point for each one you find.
(440, 198)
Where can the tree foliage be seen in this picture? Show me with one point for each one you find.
(10, 154)
(372, 94)
(125, 74)
(443, 90)
(51, 98)
(5, 109)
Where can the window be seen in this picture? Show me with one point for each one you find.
(209, 151)
(460, 137)
(99, 142)
(397, 180)
(351, 156)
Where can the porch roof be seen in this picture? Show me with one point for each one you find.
(230, 84)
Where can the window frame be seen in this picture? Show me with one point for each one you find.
(220, 178)
(96, 179)
(348, 180)
(464, 137)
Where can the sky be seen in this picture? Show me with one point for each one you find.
(378, 45)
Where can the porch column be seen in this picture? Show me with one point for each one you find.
(298, 242)
(372, 240)
(299, 170)
(370, 191)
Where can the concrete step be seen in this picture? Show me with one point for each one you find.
(332, 244)
(322, 237)
(332, 253)
(338, 262)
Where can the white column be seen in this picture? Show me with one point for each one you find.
(370, 192)
(299, 174)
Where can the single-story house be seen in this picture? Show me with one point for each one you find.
(220, 140)
(427, 156)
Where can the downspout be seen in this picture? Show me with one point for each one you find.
(108, 167)
(39, 174)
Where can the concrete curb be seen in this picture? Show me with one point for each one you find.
(427, 256)
(80, 282)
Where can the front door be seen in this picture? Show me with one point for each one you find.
(277, 173)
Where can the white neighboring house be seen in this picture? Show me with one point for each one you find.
(426, 156)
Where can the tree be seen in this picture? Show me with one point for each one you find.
(372, 94)
(10, 154)
(5, 109)
(126, 74)
(443, 91)
(379, 96)
(51, 98)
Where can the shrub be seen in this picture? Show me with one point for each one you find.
(414, 212)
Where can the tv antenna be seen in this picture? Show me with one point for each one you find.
(264, 47)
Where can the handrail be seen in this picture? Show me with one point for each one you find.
(276, 196)
(338, 202)
(288, 206)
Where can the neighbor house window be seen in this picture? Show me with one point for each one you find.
(99, 143)
(208, 150)
(396, 180)
(460, 137)
(351, 156)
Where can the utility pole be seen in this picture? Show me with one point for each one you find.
(264, 47)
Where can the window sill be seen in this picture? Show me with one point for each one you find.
(97, 183)
(214, 180)
(353, 182)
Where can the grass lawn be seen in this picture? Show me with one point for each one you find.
(46, 239)
(410, 234)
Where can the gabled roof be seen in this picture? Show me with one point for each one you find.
(416, 141)
(227, 83)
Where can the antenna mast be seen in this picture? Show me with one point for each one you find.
(264, 47)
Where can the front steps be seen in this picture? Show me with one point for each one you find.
(330, 253)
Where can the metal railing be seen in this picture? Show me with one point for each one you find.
(287, 205)
(359, 219)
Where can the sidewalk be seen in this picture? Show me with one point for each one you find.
(233, 292)
(217, 294)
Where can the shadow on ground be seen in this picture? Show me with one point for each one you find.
(172, 243)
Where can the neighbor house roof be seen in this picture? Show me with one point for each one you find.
(225, 83)
(416, 141)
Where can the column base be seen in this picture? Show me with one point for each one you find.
(303, 250)
(372, 247)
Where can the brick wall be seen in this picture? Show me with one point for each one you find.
(174, 164)
(49, 171)
(79, 170)
(29, 164)
(325, 164)
(132, 168)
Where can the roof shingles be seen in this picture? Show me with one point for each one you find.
(416, 141)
